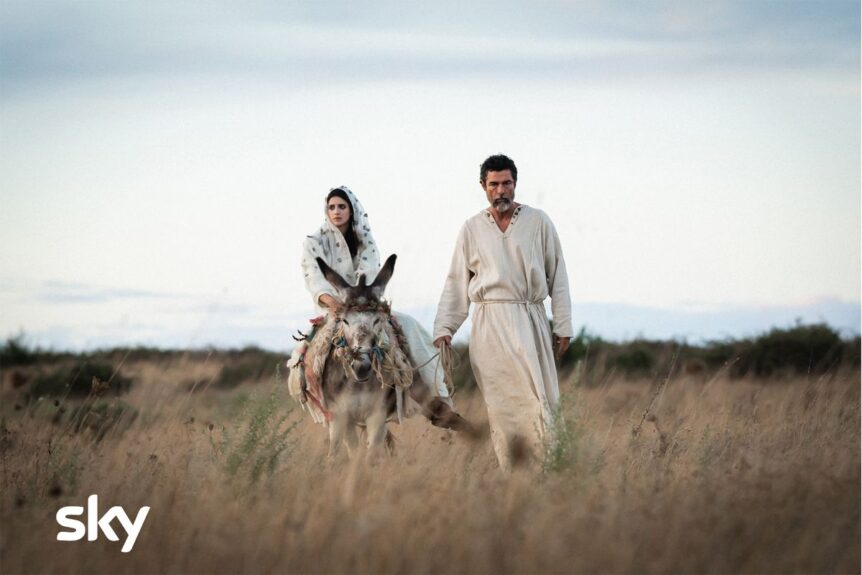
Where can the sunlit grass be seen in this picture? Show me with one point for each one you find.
(722, 476)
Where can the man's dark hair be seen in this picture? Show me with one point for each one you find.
(350, 233)
(498, 163)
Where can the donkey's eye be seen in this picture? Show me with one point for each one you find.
(376, 321)
(345, 321)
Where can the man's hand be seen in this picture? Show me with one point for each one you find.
(562, 344)
(443, 340)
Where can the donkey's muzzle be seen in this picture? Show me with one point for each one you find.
(362, 368)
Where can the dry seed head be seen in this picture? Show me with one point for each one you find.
(98, 386)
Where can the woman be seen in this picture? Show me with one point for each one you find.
(345, 243)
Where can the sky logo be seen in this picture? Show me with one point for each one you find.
(77, 529)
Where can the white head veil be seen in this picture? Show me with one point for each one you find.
(361, 227)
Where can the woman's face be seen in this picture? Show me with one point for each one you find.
(338, 211)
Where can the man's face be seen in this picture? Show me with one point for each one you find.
(500, 189)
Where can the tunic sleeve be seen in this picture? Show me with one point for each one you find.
(558, 281)
(454, 302)
(314, 280)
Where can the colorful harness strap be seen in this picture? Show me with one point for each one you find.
(312, 385)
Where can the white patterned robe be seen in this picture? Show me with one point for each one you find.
(507, 276)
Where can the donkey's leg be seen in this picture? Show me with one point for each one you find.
(337, 427)
(351, 439)
(375, 426)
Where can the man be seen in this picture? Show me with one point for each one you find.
(507, 261)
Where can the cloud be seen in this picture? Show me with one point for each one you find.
(215, 330)
(98, 40)
(70, 292)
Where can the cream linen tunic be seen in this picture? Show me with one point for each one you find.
(508, 275)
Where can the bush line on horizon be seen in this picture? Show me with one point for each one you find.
(811, 350)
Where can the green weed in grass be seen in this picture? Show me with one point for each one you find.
(254, 444)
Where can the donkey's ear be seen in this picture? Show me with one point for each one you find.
(361, 283)
(378, 286)
(332, 276)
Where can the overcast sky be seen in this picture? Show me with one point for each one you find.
(161, 162)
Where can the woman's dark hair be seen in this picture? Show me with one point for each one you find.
(350, 234)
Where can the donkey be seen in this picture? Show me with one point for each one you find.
(363, 376)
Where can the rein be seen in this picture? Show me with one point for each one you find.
(402, 377)
(379, 355)
(448, 362)
(388, 356)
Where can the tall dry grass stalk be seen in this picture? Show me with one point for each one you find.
(722, 477)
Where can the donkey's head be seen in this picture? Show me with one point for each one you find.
(362, 314)
(362, 294)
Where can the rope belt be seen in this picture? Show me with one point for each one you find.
(510, 301)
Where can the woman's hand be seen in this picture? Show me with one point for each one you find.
(443, 340)
(327, 301)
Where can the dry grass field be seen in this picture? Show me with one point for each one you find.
(724, 476)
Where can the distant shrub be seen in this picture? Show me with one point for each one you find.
(232, 375)
(635, 361)
(77, 381)
(801, 349)
(717, 353)
(16, 352)
(852, 352)
(138, 353)
(247, 365)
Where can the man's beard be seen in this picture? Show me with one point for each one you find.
(502, 205)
